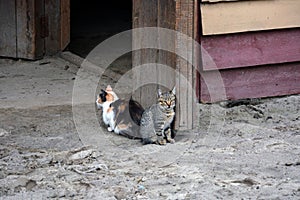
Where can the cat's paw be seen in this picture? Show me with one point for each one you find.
(172, 141)
(109, 129)
(162, 142)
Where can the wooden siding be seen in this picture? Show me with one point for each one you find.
(19, 31)
(256, 82)
(251, 49)
(32, 28)
(8, 35)
(243, 16)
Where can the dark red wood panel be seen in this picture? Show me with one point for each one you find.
(251, 49)
(255, 82)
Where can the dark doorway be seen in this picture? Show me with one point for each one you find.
(93, 21)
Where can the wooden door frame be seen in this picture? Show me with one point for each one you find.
(155, 13)
(187, 22)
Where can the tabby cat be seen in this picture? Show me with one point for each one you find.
(156, 121)
(121, 116)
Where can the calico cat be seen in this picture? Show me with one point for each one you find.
(104, 99)
(156, 121)
(122, 116)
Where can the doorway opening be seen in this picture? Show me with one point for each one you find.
(93, 21)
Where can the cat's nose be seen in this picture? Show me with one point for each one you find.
(168, 104)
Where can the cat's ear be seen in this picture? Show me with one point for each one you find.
(103, 91)
(174, 90)
(159, 92)
(108, 88)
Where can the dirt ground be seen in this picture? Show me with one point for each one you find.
(241, 150)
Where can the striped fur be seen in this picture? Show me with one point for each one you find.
(156, 121)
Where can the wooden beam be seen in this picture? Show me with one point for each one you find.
(144, 15)
(166, 19)
(186, 83)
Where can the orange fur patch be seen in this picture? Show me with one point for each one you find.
(122, 108)
(109, 97)
(122, 126)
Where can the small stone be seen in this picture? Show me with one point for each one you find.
(141, 188)
(66, 67)
(30, 184)
(3, 132)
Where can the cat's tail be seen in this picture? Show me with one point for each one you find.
(130, 134)
(147, 141)
(136, 111)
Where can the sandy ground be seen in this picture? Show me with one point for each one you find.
(249, 150)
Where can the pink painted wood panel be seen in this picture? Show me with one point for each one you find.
(251, 49)
(255, 82)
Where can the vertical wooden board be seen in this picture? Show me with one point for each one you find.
(185, 24)
(197, 48)
(166, 19)
(52, 12)
(251, 49)
(26, 32)
(256, 82)
(8, 43)
(144, 15)
(65, 23)
(39, 39)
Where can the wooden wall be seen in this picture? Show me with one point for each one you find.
(255, 45)
(19, 29)
(32, 28)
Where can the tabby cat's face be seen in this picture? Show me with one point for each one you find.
(167, 100)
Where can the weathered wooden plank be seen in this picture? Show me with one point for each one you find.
(144, 15)
(197, 48)
(251, 49)
(8, 43)
(166, 19)
(185, 82)
(65, 23)
(52, 12)
(243, 16)
(26, 29)
(255, 82)
(39, 37)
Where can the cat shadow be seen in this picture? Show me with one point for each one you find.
(121, 141)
